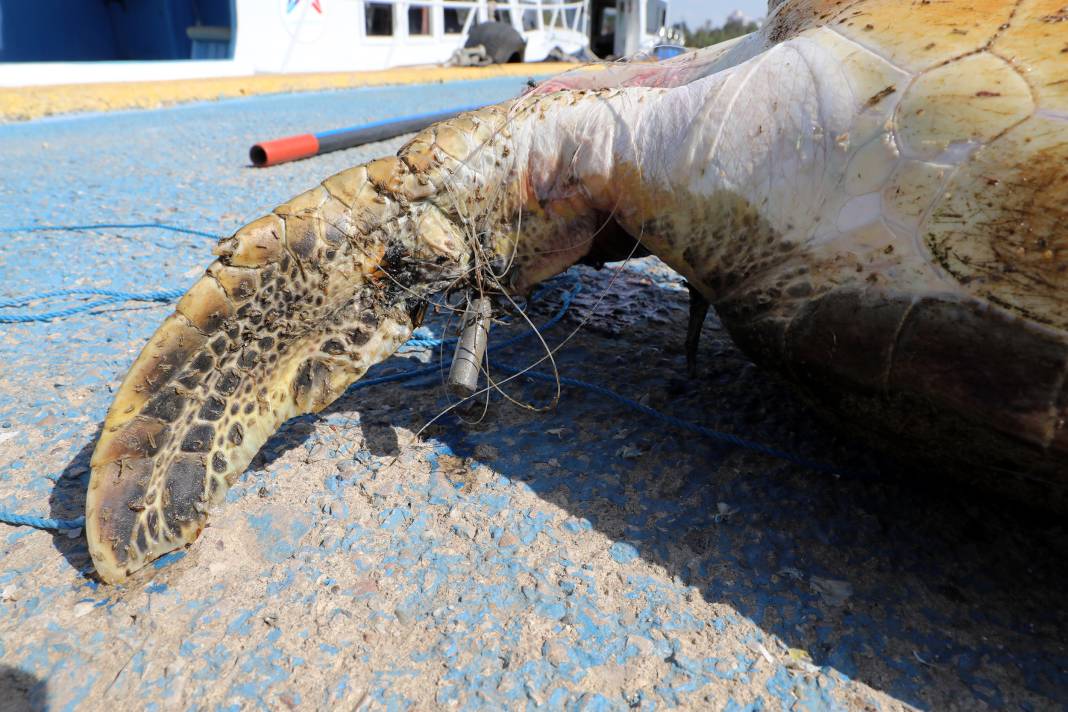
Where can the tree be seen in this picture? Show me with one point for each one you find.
(707, 34)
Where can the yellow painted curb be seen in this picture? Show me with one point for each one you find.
(23, 103)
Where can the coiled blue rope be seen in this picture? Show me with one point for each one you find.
(420, 344)
(434, 343)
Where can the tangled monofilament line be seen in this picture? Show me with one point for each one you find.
(414, 344)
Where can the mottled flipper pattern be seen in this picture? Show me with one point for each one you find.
(299, 304)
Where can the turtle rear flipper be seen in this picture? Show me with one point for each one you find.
(937, 379)
(698, 311)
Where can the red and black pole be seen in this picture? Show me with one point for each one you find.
(292, 148)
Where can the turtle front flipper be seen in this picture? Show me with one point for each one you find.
(303, 301)
(299, 305)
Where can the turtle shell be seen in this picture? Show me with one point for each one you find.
(945, 322)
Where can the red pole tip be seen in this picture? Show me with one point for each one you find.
(290, 148)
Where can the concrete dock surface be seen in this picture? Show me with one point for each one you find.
(590, 557)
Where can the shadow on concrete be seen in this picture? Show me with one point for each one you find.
(892, 575)
(21, 692)
(67, 501)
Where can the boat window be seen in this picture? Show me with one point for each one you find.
(456, 19)
(504, 16)
(378, 19)
(608, 21)
(418, 20)
(569, 17)
(654, 15)
(530, 19)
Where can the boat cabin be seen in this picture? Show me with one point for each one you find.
(59, 41)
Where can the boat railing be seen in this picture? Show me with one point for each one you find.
(440, 18)
(531, 15)
(384, 19)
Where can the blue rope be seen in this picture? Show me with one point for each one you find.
(106, 226)
(676, 422)
(45, 523)
(422, 344)
(24, 520)
(112, 297)
(150, 296)
(719, 436)
(709, 433)
(433, 343)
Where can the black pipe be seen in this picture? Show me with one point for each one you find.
(291, 148)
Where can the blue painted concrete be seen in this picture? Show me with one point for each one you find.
(586, 558)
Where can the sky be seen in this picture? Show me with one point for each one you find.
(695, 12)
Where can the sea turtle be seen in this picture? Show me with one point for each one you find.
(873, 194)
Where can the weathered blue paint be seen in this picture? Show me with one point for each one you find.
(558, 533)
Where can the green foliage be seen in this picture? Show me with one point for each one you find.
(706, 34)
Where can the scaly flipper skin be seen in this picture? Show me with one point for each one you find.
(878, 213)
(299, 304)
